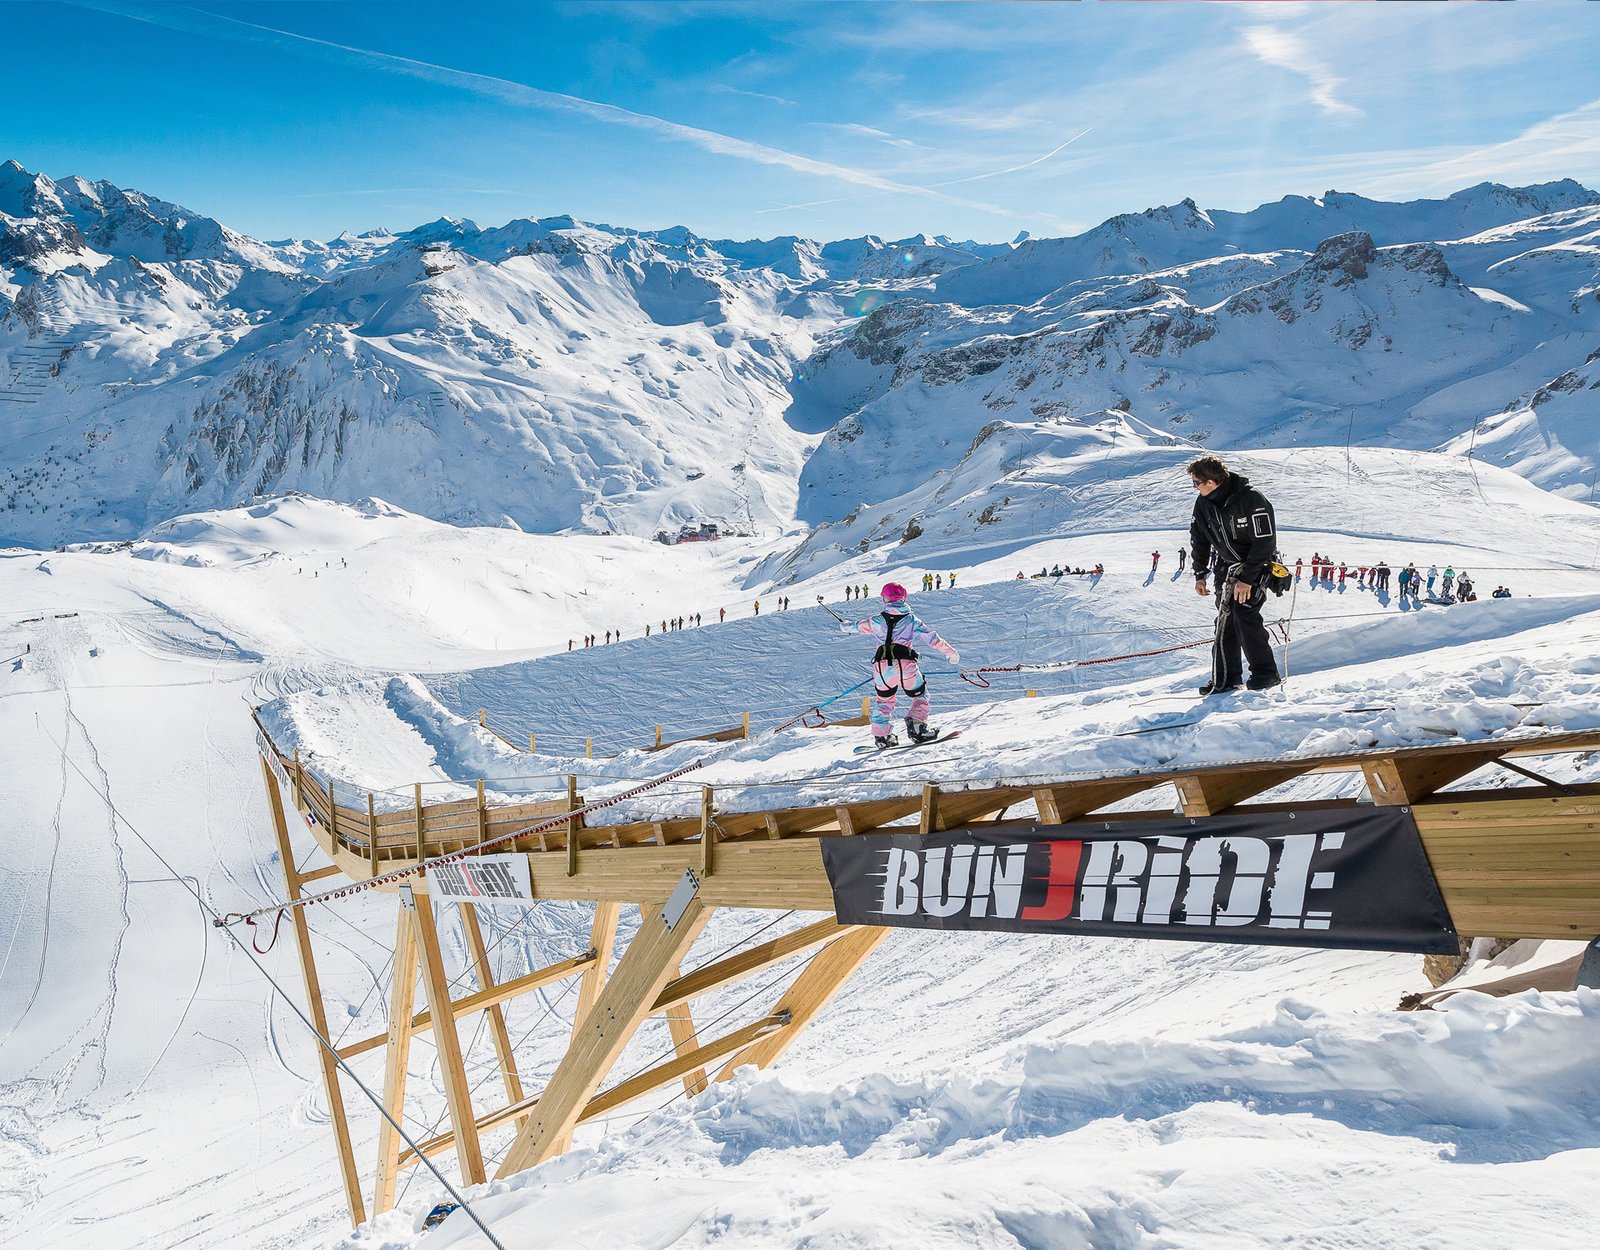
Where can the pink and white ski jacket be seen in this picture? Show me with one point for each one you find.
(909, 631)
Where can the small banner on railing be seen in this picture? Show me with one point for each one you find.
(271, 756)
(1355, 880)
(482, 879)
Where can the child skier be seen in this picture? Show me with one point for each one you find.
(894, 666)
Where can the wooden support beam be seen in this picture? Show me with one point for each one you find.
(929, 820)
(684, 1064)
(1399, 781)
(447, 1041)
(962, 807)
(781, 824)
(1059, 804)
(484, 973)
(813, 990)
(750, 959)
(620, 1094)
(1207, 793)
(680, 1025)
(602, 941)
(321, 874)
(624, 1003)
(572, 826)
(421, 823)
(396, 1055)
(462, 1007)
(860, 817)
(319, 1014)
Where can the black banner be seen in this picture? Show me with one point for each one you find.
(1355, 879)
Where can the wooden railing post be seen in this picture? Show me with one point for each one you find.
(422, 851)
(658, 737)
(483, 815)
(930, 809)
(747, 726)
(319, 1013)
(372, 828)
(708, 831)
(572, 825)
(533, 744)
(588, 748)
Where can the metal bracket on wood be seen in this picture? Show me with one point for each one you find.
(678, 902)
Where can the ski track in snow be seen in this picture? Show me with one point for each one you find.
(948, 1090)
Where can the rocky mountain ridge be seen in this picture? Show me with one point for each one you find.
(557, 375)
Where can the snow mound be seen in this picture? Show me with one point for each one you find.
(1244, 1138)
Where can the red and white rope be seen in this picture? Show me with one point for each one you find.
(420, 868)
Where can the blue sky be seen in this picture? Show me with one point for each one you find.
(827, 119)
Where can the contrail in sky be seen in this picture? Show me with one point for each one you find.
(194, 21)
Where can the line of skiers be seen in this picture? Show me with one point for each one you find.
(1452, 586)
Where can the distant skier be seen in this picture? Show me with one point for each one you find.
(1234, 531)
(1183, 554)
(722, 615)
(894, 666)
(1448, 584)
(952, 581)
(1433, 576)
(1155, 559)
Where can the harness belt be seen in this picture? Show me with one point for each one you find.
(896, 653)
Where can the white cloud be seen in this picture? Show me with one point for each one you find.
(1289, 51)
(1565, 145)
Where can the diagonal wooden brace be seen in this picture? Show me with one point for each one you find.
(625, 1003)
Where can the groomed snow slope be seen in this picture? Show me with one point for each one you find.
(154, 1092)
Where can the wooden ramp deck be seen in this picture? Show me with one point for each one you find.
(1519, 861)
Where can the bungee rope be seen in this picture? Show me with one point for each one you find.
(976, 676)
(822, 722)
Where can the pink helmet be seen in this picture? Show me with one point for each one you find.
(893, 592)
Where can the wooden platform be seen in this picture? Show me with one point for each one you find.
(1513, 862)
(1518, 861)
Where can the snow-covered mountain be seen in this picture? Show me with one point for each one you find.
(555, 375)
(156, 1091)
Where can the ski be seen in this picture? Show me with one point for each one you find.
(940, 736)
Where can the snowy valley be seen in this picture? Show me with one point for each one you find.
(384, 486)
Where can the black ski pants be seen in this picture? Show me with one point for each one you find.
(1240, 629)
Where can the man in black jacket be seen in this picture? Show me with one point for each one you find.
(1235, 534)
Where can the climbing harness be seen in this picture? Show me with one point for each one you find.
(897, 653)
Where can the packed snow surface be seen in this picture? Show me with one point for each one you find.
(971, 1089)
